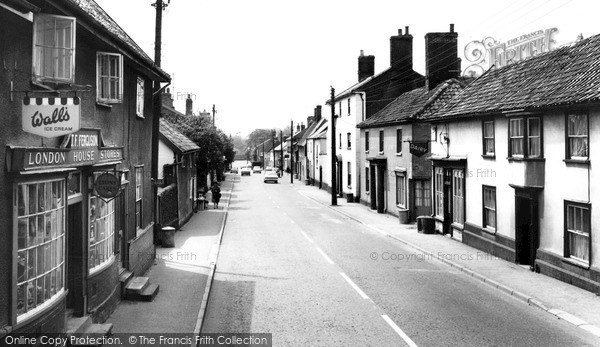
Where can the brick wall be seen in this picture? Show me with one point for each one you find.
(142, 252)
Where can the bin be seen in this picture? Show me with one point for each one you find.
(349, 197)
(426, 224)
(168, 237)
(403, 215)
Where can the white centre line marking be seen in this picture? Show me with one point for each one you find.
(353, 285)
(325, 256)
(399, 331)
(305, 235)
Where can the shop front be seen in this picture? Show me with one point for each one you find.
(67, 248)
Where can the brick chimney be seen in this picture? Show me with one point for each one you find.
(188, 105)
(310, 120)
(441, 57)
(401, 50)
(366, 66)
(167, 98)
(302, 126)
(318, 113)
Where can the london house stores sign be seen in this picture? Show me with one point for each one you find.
(82, 148)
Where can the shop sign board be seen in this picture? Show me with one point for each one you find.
(107, 185)
(51, 117)
(83, 148)
(419, 148)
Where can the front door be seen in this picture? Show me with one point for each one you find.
(447, 229)
(339, 178)
(76, 259)
(526, 235)
(422, 197)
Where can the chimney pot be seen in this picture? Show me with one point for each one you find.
(362, 53)
(451, 28)
(399, 32)
(406, 29)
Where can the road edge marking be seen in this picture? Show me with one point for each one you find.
(325, 255)
(399, 331)
(353, 285)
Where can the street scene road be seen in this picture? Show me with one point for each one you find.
(295, 268)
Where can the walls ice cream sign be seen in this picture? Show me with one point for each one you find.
(51, 117)
(488, 52)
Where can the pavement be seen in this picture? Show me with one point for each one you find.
(184, 274)
(559, 299)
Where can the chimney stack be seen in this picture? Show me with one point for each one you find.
(366, 66)
(167, 98)
(310, 120)
(401, 50)
(318, 113)
(441, 57)
(302, 126)
(188, 105)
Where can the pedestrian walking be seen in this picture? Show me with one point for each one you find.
(216, 194)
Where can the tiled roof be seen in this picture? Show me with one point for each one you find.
(567, 75)
(96, 15)
(417, 103)
(181, 142)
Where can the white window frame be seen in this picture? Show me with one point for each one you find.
(438, 177)
(399, 141)
(139, 197)
(458, 196)
(57, 255)
(573, 136)
(573, 228)
(490, 206)
(99, 79)
(140, 97)
(401, 189)
(104, 248)
(489, 138)
(37, 49)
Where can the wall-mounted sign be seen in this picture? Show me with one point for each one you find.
(419, 148)
(487, 52)
(107, 185)
(51, 117)
(83, 148)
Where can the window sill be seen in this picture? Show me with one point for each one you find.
(488, 156)
(457, 226)
(366, 152)
(489, 230)
(577, 263)
(349, 148)
(140, 115)
(48, 305)
(381, 153)
(399, 154)
(438, 218)
(97, 270)
(102, 104)
(577, 161)
(525, 159)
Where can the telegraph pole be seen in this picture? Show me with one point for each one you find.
(333, 155)
(273, 147)
(281, 153)
(214, 111)
(292, 152)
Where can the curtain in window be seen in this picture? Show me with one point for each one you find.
(578, 135)
(516, 136)
(578, 227)
(534, 138)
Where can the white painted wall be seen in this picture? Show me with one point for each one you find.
(165, 156)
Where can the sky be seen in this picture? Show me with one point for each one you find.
(263, 63)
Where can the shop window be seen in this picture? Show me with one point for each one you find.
(140, 93)
(53, 49)
(139, 186)
(102, 233)
(74, 184)
(401, 190)
(439, 191)
(489, 207)
(489, 138)
(577, 231)
(458, 196)
(40, 224)
(577, 136)
(109, 84)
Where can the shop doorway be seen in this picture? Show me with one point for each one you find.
(422, 198)
(76, 264)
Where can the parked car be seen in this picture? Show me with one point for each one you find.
(271, 176)
(245, 171)
(256, 169)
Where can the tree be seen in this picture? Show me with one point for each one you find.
(216, 148)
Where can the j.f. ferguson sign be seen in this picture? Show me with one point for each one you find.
(51, 117)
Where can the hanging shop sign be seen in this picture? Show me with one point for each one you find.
(51, 117)
(419, 148)
(82, 148)
(107, 185)
(487, 52)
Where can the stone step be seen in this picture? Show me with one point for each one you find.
(149, 292)
(124, 278)
(92, 336)
(77, 325)
(135, 287)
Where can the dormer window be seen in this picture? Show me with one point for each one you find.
(53, 49)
